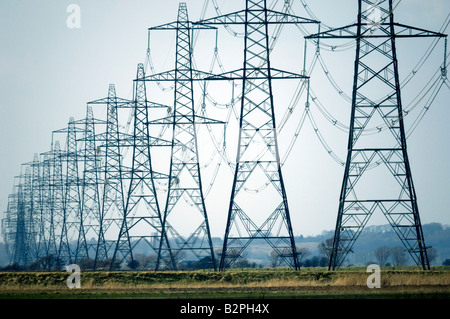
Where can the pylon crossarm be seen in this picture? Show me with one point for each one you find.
(185, 120)
(240, 17)
(171, 75)
(186, 25)
(107, 100)
(369, 31)
(256, 74)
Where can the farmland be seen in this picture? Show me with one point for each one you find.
(406, 282)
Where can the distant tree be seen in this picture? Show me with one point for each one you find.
(203, 263)
(13, 267)
(275, 259)
(382, 254)
(106, 264)
(240, 260)
(325, 248)
(312, 262)
(323, 262)
(432, 254)
(315, 261)
(398, 256)
(133, 264)
(446, 262)
(302, 253)
(44, 263)
(179, 259)
(306, 263)
(86, 263)
(242, 263)
(146, 262)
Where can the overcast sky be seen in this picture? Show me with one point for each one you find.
(49, 71)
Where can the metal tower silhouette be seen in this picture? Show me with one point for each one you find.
(36, 217)
(90, 196)
(111, 188)
(258, 160)
(377, 177)
(23, 216)
(71, 227)
(9, 223)
(184, 175)
(53, 197)
(47, 234)
(20, 220)
(141, 219)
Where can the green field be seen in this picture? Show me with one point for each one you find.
(238, 283)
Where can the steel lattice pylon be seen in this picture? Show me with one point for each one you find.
(258, 159)
(56, 199)
(184, 175)
(9, 225)
(71, 228)
(47, 234)
(141, 219)
(381, 157)
(111, 190)
(20, 253)
(36, 216)
(90, 196)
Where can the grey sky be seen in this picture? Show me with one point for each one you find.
(49, 72)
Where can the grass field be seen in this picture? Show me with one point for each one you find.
(241, 283)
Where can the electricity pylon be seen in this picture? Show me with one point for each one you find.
(35, 213)
(89, 188)
(9, 223)
(377, 177)
(71, 224)
(258, 160)
(21, 222)
(54, 198)
(46, 238)
(141, 219)
(184, 175)
(111, 189)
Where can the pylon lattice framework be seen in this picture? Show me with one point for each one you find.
(376, 100)
(184, 173)
(71, 226)
(258, 157)
(111, 189)
(141, 218)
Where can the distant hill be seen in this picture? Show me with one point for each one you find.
(372, 237)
